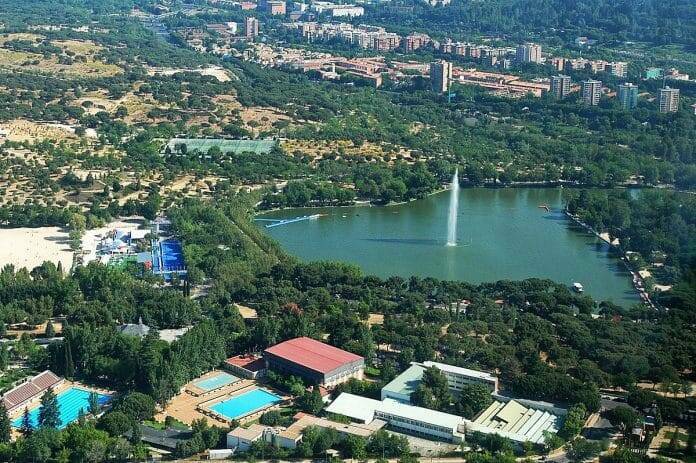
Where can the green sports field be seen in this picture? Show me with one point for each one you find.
(226, 146)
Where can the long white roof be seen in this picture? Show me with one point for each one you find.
(460, 370)
(363, 409)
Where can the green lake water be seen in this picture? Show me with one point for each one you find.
(502, 235)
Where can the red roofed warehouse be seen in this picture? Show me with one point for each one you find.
(314, 361)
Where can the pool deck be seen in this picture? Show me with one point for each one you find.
(193, 388)
(62, 387)
(188, 406)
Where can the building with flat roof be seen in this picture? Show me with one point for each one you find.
(430, 424)
(401, 387)
(247, 366)
(440, 75)
(314, 361)
(591, 91)
(251, 27)
(560, 86)
(628, 95)
(528, 53)
(669, 100)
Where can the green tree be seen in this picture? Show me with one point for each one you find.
(433, 391)
(311, 401)
(580, 450)
(574, 421)
(49, 332)
(49, 413)
(473, 398)
(93, 401)
(5, 425)
(27, 428)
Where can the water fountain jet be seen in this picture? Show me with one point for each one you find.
(453, 210)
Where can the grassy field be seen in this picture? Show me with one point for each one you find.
(226, 146)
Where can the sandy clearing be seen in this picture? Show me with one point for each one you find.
(31, 247)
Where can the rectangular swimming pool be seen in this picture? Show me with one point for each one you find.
(214, 382)
(70, 402)
(246, 404)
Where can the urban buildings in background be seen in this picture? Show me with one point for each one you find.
(628, 95)
(251, 27)
(337, 11)
(560, 86)
(591, 91)
(528, 53)
(615, 68)
(669, 100)
(440, 76)
(368, 37)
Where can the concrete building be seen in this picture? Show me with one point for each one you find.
(528, 53)
(560, 86)
(275, 7)
(440, 76)
(246, 366)
(242, 438)
(669, 100)
(337, 11)
(401, 387)
(419, 421)
(314, 361)
(415, 41)
(251, 27)
(616, 68)
(591, 91)
(628, 95)
(457, 377)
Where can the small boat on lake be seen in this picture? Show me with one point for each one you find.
(577, 287)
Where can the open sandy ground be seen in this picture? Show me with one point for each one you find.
(31, 247)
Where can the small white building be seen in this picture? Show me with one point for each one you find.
(242, 438)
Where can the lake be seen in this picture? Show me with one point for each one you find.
(502, 235)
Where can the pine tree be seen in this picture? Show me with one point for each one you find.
(5, 430)
(50, 331)
(27, 427)
(49, 414)
(93, 403)
(69, 366)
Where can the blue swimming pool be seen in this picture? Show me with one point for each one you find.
(70, 402)
(214, 382)
(245, 404)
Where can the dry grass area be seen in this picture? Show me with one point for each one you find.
(85, 63)
(375, 319)
(23, 130)
(31, 247)
(39, 330)
(262, 117)
(318, 149)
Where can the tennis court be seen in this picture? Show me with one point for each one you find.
(215, 382)
(71, 403)
(226, 146)
(167, 257)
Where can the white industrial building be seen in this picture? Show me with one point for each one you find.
(401, 387)
(411, 419)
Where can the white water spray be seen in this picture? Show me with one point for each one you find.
(453, 210)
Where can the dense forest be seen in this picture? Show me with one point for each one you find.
(660, 22)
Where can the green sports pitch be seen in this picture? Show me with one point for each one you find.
(226, 146)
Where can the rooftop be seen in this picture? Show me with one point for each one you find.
(407, 382)
(461, 371)
(363, 409)
(515, 421)
(313, 354)
(251, 433)
(29, 389)
(248, 362)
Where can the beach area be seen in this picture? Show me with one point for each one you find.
(31, 247)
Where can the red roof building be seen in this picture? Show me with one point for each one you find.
(24, 393)
(247, 366)
(314, 361)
